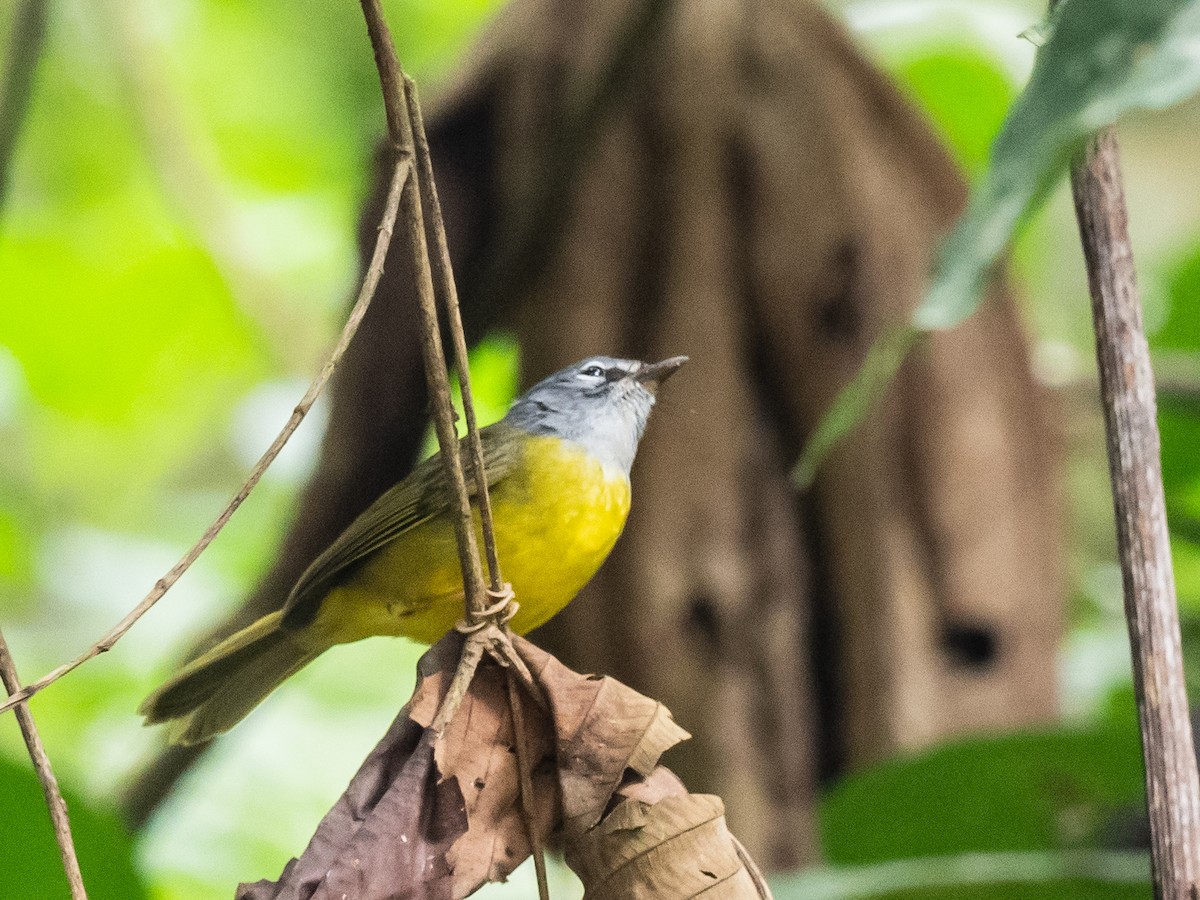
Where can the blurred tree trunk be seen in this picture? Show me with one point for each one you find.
(731, 180)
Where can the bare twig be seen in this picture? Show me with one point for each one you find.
(400, 130)
(435, 280)
(472, 653)
(401, 174)
(1127, 392)
(45, 775)
(444, 280)
(517, 672)
(25, 44)
(509, 656)
(525, 783)
(756, 875)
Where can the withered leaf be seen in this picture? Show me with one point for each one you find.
(478, 751)
(434, 819)
(678, 847)
(660, 783)
(602, 728)
(388, 836)
(601, 731)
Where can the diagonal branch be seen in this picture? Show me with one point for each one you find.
(525, 784)
(400, 176)
(400, 131)
(45, 775)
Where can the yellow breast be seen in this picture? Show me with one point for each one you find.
(557, 516)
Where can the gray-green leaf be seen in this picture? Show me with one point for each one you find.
(1103, 58)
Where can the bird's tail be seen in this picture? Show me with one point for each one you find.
(215, 691)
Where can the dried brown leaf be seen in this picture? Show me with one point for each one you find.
(660, 783)
(388, 836)
(478, 752)
(436, 818)
(603, 728)
(678, 847)
(601, 731)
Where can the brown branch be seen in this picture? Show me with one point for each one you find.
(501, 650)
(406, 127)
(444, 275)
(1127, 392)
(472, 654)
(400, 130)
(45, 775)
(400, 176)
(24, 50)
(525, 784)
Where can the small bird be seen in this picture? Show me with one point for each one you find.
(558, 476)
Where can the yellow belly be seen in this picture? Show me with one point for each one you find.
(557, 517)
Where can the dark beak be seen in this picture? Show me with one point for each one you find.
(654, 374)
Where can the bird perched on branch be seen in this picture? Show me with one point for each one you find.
(558, 476)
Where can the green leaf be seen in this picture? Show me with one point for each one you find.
(1103, 58)
(1073, 875)
(852, 404)
(1027, 792)
(104, 849)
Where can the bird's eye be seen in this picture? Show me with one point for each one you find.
(593, 371)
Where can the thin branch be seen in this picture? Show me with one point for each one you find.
(391, 76)
(45, 775)
(400, 130)
(752, 869)
(400, 176)
(502, 648)
(24, 51)
(1127, 392)
(444, 276)
(525, 784)
(472, 654)
(406, 128)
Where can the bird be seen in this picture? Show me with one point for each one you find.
(558, 474)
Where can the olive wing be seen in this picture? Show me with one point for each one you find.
(417, 499)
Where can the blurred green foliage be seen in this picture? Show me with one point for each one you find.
(175, 257)
(105, 851)
(966, 97)
(1030, 791)
(1027, 815)
(1095, 875)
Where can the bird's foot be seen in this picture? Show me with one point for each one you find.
(499, 613)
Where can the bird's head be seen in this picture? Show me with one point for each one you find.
(601, 403)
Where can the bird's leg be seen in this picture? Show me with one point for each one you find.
(500, 646)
